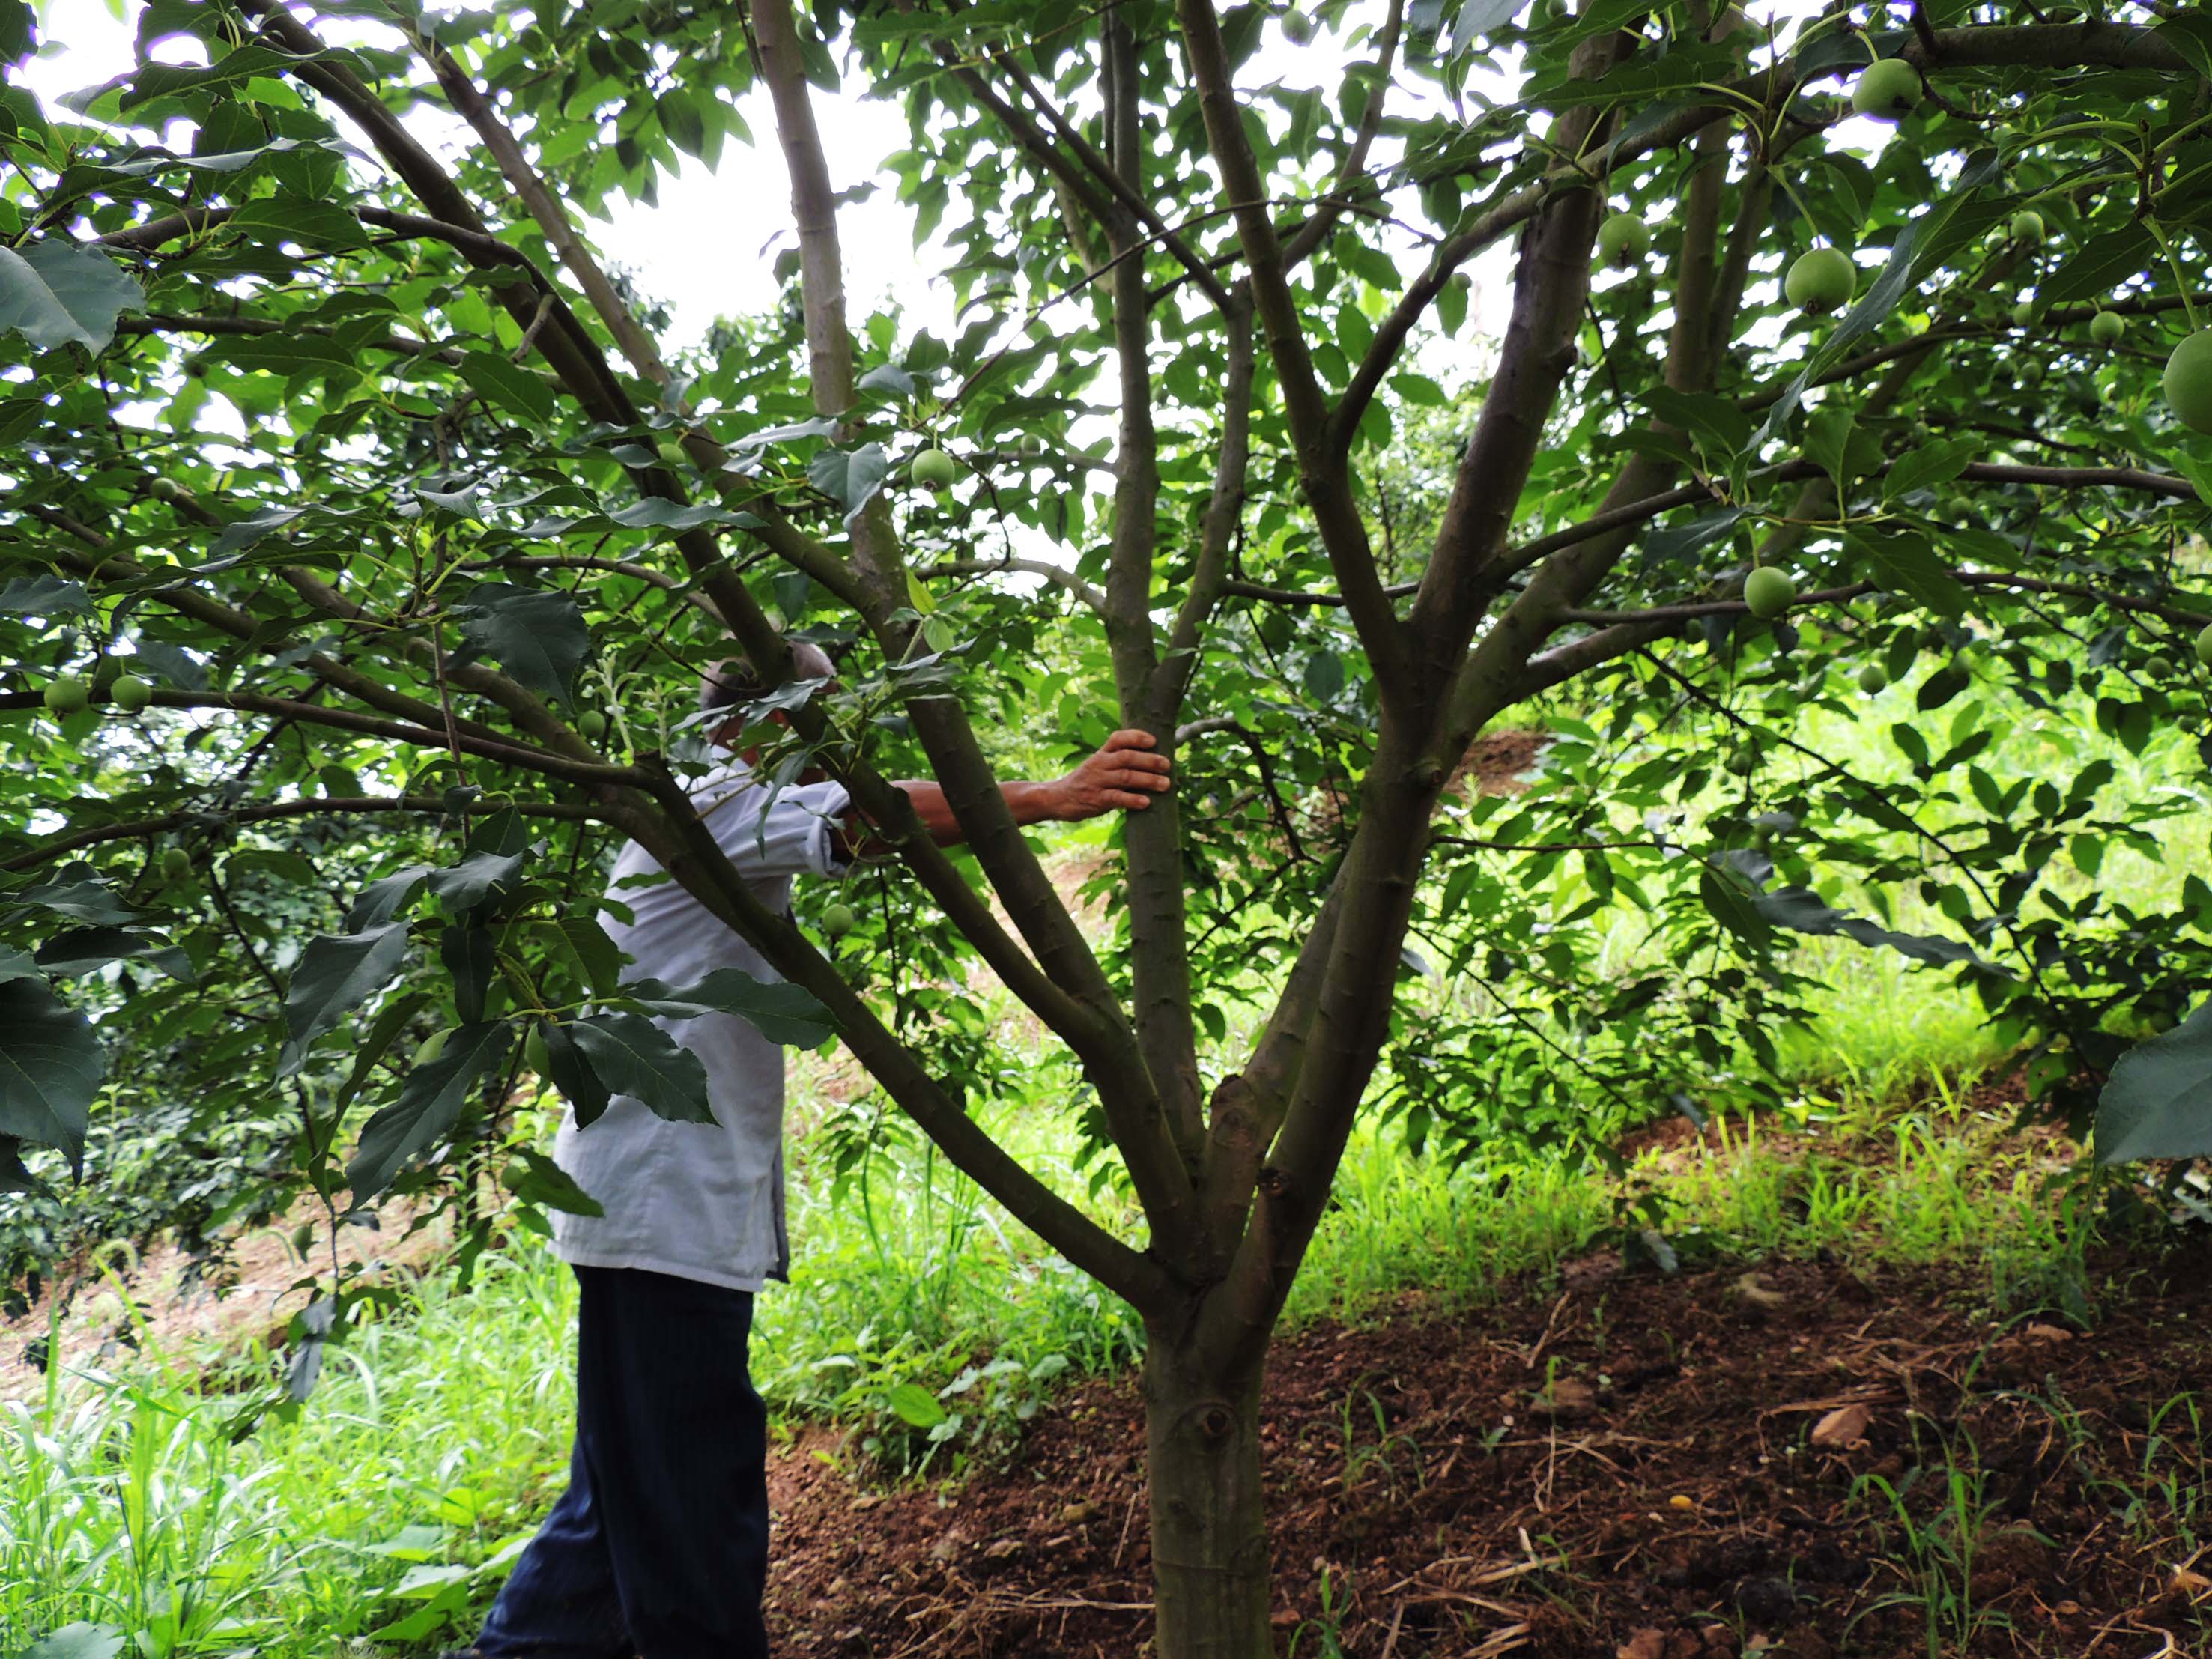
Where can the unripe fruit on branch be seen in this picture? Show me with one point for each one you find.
(167, 489)
(2204, 646)
(2027, 226)
(591, 726)
(1820, 282)
(2188, 381)
(533, 1051)
(1297, 28)
(513, 1176)
(933, 470)
(1622, 241)
(2024, 311)
(1887, 89)
(2106, 327)
(837, 921)
(176, 864)
(1873, 680)
(67, 696)
(1768, 592)
(130, 693)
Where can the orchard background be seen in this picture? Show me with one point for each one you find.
(1666, 547)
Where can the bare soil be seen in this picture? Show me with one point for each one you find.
(1631, 1466)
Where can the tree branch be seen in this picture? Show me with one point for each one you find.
(1307, 237)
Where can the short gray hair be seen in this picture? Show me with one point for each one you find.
(734, 680)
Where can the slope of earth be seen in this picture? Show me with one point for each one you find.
(1797, 1462)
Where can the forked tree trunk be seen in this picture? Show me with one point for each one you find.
(1209, 1530)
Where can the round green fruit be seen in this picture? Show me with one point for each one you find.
(67, 696)
(1768, 592)
(431, 1048)
(933, 470)
(1031, 444)
(2159, 668)
(2029, 373)
(167, 489)
(1820, 282)
(673, 458)
(591, 726)
(2204, 646)
(2025, 312)
(1297, 28)
(1888, 89)
(2106, 327)
(1874, 680)
(130, 693)
(1622, 239)
(837, 921)
(533, 1051)
(2188, 381)
(2027, 226)
(1743, 762)
(513, 1176)
(176, 864)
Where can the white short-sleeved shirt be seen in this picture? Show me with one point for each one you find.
(701, 1200)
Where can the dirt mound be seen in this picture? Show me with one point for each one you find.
(1660, 1468)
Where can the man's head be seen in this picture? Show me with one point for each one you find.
(733, 682)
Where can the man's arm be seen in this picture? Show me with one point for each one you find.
(1122, 776)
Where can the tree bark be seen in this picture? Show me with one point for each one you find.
(1209, 1531)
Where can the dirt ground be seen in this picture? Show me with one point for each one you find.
(1634, 1467)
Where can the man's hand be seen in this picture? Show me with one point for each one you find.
(1124, 774)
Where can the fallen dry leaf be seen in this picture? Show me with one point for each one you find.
(1643, 1644)
(1564, 1397)
(1843, 1427)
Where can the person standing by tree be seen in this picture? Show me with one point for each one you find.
(660, 1546)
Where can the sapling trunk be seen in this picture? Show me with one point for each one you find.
(1209, 1529)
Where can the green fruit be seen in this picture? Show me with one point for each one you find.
(67, 696)
(431, 1048)
(2025, 312)
(1622, 239)
(2204, 646)
(1820, 281)
(1888, 89)
(533, 1051)
(591, 726)
(673, 458)
(2106, 327)
(837, 921)
(1768, 592)
(2030, 373)
(1743, 762)
(933, 470)
(1031, 444)
(1552, 11)
(1461, 282)
(130, 693)
(1874, 680)
(2027, 226)
(167, 489)
(2159, 668)
(2188, 381)
(176, 864)
(1297, 28)
(513, 1176)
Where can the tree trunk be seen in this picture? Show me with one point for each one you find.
(1209, 1530)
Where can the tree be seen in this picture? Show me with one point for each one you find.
(374, 466)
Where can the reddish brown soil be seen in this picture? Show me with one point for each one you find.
(1673, 1504)
(1500, 762)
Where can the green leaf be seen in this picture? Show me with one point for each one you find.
(89, 902)
(86, 950)
(2157, 1100)
(333, 976)
(572, 1073)
(429, 1106)
(594, 953)
(915, 1405)
(481, 876)
(50, 1066)
(1929, 463)
(77, 1641)
(385, 898)
(2106, 263)
(1801, 911)
(383, 1031)
(510, 386)
(780, 1011)
(633, 1057)
(546, 1183)
(1904, 563)
(538, 635)
(57, 294)
(43, 596)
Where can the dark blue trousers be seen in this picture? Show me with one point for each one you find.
(659, 1546)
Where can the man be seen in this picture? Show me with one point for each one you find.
(659, 1546)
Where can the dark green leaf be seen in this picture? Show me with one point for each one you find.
(55, 293)
(429, 1106)
(50, 1066)
(631, 1055)
(537, 635)
(334, 977)
(780, 1011)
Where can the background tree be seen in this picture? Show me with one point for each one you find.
(362, 547)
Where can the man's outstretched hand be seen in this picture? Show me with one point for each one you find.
(1124, 775)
